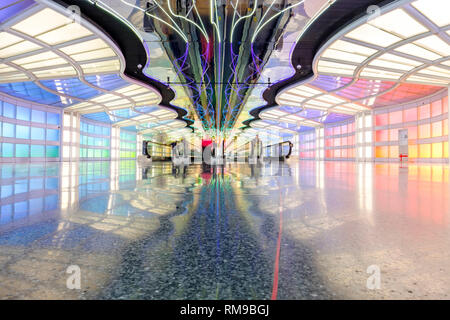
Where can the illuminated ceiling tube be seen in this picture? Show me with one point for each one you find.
(407, 44)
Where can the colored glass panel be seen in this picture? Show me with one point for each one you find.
(424, 112)
(424, 131)
(23, 114)
(381, 119)
(37, 133)
(22, 150)
(22, 132)
(425, 150)
(52, 151)
(7, 150)
(395, 117)
(410, 115)
(8, 130)
(52, 135)
(37, 151)
(436, 150)
(53, 118)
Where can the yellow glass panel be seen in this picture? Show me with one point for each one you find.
(425, 150)
(445, 149)
(437, 150)
(412, 151)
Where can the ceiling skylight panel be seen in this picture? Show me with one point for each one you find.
(7, 39)
(335, 68)
(101, 67)
(435, 10)
(319, 103)
(417, 51)
(425, 80)
(353, 48)
(330, 99)
(92, 55)
(291, 97)
(105, 97)
(379, 74)
(84, 46)
(391, 61)
(66, 33)
(342, 55)
(5, 68)
(19, 48)
(40, 22)
(400, 23)
(436, 44)
(436, 71)
(116, 103)
(128, 88)
(55, 72)
(370, 34)
(136, 92)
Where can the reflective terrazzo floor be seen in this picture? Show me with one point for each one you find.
(297, 230)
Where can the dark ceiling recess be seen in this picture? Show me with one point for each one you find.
(335, 18)
(131, 47)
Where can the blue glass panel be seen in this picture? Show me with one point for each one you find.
(108, 82)
(20, 186)
(6, 214)
(98, 116)
(37, 133)
(9, 110)
(52, 135)
(10, 8)
(36, 184)
(98, 130)
(36, 205)
(22, 132)
(106, 131)
(22, 150)
(37, 151)
(51, 183)
(8, 130)
(6, 191)
(51, 202)
(72, 87)
(38, 116)
(53, 118)
(23, 113)
(30, 91)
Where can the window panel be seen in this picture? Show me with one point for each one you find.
(395, 117)
(381, 119)
(22, 132)
(9, 110)
(436, 129)
(52, 151)
(52, 135)
(425, 150)
(8, 130)
(23, 113)
(424, 131)
(437, 151)
(424, 112)
(37, 133)
(53, 118)
(37, 151)
(410, 115)
(38, 116)
(7, 150)
(436, 108)
(22, 150)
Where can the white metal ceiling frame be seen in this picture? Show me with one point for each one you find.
(44, 47)
(341, 35)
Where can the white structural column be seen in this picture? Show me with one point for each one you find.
(115, 143)
(448, 117)
(70, 136)
(364, 136)
(320, 143)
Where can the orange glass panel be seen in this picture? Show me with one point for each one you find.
(328, 142)
(395, 117)
(381, 119)
(424, 131)
(425, 150)
(329, 153)
(393, 135)
(436, 150)
(412, 151)
(410, 115)
(436, 129)
(436, 108)
(381, 152)
(393, 151)
(382, 135)
(424, 112)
